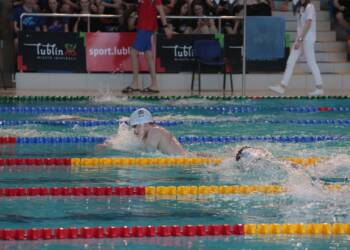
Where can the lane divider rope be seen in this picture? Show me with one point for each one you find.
(10, 99)
(173, 231)
(182, 139)
(219, 98)
(224, 109)
(315, 109)
(154, 191)
(168, 123)
(137, 162)
(122, 109)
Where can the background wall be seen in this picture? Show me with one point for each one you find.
(7, 62)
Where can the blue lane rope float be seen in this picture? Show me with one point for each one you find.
(169, 123)
(310, 109)
(161, 108)
(123, 109)
(284, 139)
(59, 123)
(182, 139)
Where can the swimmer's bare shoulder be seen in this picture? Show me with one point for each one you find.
(164, 141)
(154, 136)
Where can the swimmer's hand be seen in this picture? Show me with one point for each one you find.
(79, 118)
(199, 154)
(202, 154)
(102, 146)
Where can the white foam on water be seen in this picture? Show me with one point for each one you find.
(179, 117)
(125, 139)
(302, 183)
(311, 196)
(110, 99)
(66, 118)
(27, 132)
(188, 102)
(259, 168)
(334, 167)
(105, 96)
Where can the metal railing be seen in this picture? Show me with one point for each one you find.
(219, 18)
(88, 16)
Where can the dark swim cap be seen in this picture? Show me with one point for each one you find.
(239, 153)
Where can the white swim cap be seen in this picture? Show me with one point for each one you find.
(140, 116)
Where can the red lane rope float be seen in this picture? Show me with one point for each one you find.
(7, 140)
(174, 231)
(325, 109)
(153, 191)
(120, 232)
(73, 191)
(36, 162)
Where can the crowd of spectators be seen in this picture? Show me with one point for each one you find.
(340, 11)
(127, 10)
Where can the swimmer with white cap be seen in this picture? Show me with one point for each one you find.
(153, 136)
(156, 138)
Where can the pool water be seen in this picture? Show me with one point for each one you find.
(305, 202)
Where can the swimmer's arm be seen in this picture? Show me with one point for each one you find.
(175, 148)
(70, 118)
(198, 154)
(203, 154)
(79, 118)
(157, 140)
(106, 144)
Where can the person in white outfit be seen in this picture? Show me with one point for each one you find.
(304, 43)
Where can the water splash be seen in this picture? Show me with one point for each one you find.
(333, 167)
(178, 117)
(188, 102)
(261, 167)
(105, 95)
(125, 140)
(27, 131)
(66, 118)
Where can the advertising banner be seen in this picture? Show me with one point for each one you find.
(48, 51)
(110, 52)
(176, 54)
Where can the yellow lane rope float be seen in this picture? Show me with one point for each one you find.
(175, 161)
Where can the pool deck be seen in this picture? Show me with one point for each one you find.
(16, 92)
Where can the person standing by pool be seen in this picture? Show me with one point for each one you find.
(146, 26)
(304, 43)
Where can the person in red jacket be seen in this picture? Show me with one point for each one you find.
(146, 26)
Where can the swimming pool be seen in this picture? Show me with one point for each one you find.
(220, 126)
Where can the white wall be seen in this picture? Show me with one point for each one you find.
(177, 82)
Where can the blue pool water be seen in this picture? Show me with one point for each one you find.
(306, 202)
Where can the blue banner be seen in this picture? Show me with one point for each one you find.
(265, 38)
